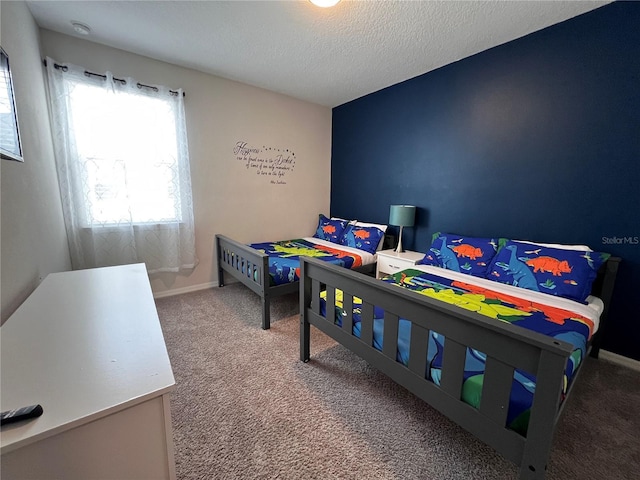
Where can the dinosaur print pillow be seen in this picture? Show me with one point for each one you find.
(471, 255)
(330, 229)
(362, 238)
(560, 272)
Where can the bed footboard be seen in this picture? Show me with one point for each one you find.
(506, 346)
(250, 267)
(247, 265)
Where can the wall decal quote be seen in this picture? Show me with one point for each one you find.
(272, 163)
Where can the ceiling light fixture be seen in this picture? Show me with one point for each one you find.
(324, 3)
(81, 28)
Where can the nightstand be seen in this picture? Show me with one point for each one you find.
(390, 262)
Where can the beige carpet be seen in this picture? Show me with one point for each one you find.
(245, 407)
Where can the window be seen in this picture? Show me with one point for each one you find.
(123, 168)
(134, 177)
(10, 147)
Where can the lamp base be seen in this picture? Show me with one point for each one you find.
(399, 248)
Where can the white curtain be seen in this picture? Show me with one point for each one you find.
(123, 168)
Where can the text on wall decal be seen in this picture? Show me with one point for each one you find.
(272, 163)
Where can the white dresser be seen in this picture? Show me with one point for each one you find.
(87, 346)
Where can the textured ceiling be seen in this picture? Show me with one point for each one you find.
(324, 56)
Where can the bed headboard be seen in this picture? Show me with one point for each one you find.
(603, 288)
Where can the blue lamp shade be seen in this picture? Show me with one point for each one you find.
(402, 215)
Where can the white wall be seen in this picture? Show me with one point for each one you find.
(228, 197)
(33, 238)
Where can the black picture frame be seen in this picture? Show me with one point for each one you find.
(10, 146)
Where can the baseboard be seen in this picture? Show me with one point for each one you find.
(619, 359)
(178, 291)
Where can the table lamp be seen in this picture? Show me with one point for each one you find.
(401, 216)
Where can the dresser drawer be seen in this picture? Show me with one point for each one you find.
(390, 262)
(388, 265)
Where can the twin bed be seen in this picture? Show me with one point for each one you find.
(500, 360)
(271, 269)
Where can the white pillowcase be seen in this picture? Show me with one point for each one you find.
(580, 248)
(344, 220)
(377, 225)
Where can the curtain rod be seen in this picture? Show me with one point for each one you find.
(64, 68)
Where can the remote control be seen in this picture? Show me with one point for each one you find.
(10, 416)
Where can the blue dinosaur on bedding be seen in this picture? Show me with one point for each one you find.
(522, 276)
(447, 257)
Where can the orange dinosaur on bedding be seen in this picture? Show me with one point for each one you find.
(361, 234)
(549, 264)
(468, 251)
(329, 229)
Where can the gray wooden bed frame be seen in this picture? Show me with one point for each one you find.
(507, 347)
(251, 267)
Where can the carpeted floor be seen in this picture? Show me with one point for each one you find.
(245, 407)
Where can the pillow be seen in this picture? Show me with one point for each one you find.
(556, 271)
(377, 225)
(471, 255)
(363, 238)
(330, 229)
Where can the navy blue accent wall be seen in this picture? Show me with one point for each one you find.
(535, 139)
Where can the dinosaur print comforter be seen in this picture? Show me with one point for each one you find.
(563, 319)
(284, 257)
